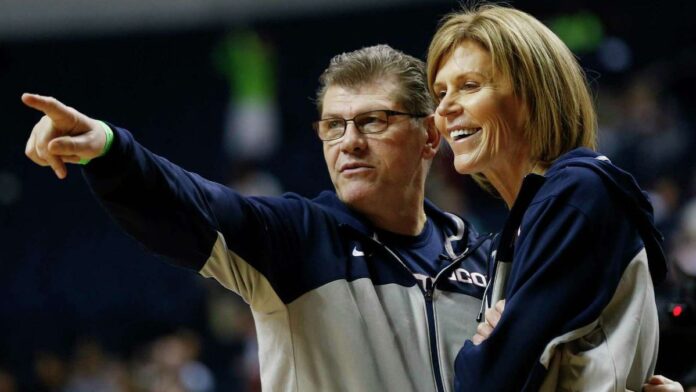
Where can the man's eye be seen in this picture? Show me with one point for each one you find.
(373, 122)
(332, 124)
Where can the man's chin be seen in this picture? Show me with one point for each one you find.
(357, 198)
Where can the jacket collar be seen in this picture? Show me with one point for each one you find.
(456, 228)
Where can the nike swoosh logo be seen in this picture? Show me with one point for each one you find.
(357, 252)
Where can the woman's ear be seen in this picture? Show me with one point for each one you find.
(432, 142)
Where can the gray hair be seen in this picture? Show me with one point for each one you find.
(377, 63)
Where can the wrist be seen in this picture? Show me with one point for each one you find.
(109, 134)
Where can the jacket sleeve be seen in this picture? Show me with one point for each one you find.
(569, 257)
(196, 223)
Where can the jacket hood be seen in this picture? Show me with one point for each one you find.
(624, 186)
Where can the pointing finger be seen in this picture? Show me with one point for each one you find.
(53, 108)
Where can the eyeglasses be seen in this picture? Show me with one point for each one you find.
(375, 121)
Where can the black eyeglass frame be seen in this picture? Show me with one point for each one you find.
(389, 114)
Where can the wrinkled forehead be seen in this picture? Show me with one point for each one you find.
(347, 101)
(468, 55)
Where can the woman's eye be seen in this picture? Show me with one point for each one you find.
(470, 85)
(441, 95)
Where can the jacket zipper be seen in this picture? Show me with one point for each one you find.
(428, 294)
(432, 332)
(430, 315)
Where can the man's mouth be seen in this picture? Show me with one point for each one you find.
(463, 133)
(355, 166)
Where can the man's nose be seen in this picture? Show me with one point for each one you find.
(353, 140)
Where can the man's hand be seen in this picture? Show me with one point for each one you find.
(63, 135)
(662, 384)
(484, 330)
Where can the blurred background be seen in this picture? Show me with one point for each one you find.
(225, 88)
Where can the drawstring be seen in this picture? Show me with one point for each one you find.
(484, 300)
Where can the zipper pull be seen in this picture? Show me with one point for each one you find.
(428, 288)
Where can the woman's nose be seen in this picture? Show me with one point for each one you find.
(448, 106)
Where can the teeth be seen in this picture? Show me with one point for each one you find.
(462, 133)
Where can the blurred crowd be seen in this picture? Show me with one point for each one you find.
(183, 360)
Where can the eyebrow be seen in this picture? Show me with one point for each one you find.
(328, 116)
(331, 115)
(464, 75)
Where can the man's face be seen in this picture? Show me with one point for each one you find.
(374, 171)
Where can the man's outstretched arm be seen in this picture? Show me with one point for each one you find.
(193, 222)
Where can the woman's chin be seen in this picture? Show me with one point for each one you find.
(466, 164)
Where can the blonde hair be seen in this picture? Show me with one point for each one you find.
(543, 72)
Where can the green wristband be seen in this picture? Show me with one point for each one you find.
(107, 145)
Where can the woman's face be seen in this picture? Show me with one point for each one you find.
(478, 114)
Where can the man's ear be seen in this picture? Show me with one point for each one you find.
(432, 143)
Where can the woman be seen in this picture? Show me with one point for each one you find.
(578, 256)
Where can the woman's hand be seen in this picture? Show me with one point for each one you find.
(484, 329)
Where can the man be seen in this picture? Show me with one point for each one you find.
(368, 288)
